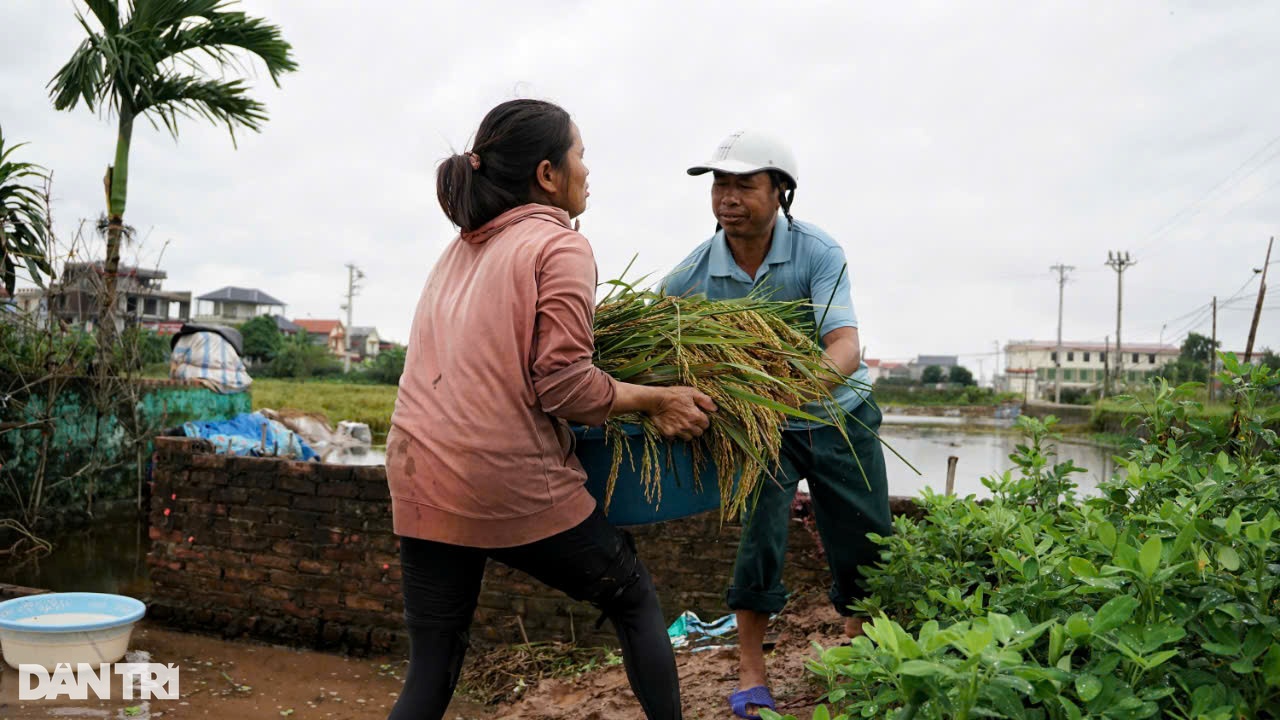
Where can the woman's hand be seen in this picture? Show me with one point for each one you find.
(682, 412)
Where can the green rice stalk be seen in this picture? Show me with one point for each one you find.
(755, 358)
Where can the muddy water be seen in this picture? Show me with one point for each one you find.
(981, 454)
(112, 556)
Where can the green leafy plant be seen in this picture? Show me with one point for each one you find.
(24, 219)
(1155, 597)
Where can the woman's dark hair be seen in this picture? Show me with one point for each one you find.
(496, 175)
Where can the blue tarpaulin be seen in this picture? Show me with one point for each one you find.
(251, 434)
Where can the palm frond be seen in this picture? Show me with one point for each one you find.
(171, 13)
(24, 222)
(221, 35)
(223, 101)
(81, 78)
(107, 12)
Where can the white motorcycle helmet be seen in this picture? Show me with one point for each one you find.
(751, 151)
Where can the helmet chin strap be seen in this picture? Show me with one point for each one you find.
(785, 198)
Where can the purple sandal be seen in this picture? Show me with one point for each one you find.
(758, 696)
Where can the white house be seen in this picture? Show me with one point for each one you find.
(235, 305)
(1032, 366)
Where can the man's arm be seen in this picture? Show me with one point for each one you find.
(843, 353)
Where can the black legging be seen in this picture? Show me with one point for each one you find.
(594, 561)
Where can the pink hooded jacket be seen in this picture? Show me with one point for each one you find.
(499, 357)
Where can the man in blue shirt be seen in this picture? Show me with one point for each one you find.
(755, 250)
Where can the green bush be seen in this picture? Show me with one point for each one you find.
(893, 390)
(300, 358)
(1155, 598)
(262, 339)
(386, 368)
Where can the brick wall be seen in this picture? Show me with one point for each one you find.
(303, 553)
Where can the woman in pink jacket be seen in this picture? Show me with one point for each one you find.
(480, 457)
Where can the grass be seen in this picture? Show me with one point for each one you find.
(369, 404)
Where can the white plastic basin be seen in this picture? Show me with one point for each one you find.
(70, 628)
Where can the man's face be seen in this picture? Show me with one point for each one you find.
(745, 205)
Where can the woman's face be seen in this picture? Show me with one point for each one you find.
(565, 187)
(575, 182)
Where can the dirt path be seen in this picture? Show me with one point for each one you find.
(222, 680)
(240, 680)
(706, 678)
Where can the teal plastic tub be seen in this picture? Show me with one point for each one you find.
(681, 496)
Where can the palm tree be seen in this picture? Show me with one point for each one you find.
(156, 60)
(24, 222)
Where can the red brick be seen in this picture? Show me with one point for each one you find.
(383, 589)
(288, 579)
(340, 490)
(375, 492)
(320, 598)
(341, 554)
(230, 495)
(315, 567)
(274, 562)
(291, 548)
(272, 592)
(246, 574)
(276, 531)
(296, 610)
(362, 602)
(269, 498)
(252, 513)
(210, 461)
(249, 542)
(333, 474)
(318, 504)
(297, 485)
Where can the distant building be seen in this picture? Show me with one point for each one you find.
(884, 369)
(1032, 365)
(29, 300)
(235, 305)
(365, 342)
(287, 327)
(140, 298)
(946, 362)
(329, 333)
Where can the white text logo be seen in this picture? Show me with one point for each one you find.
(146, 680)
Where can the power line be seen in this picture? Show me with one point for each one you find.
(1195, 207)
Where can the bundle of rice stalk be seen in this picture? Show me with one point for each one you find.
(757, 359)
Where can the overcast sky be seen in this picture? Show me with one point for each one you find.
(955, 149)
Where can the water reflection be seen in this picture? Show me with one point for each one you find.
(981, 454)
(110, 557)
(358, 455)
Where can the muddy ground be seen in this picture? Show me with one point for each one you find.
(240, 680)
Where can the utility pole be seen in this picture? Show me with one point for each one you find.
(1119, 262)
(995, 371)
(1213, 348)
(1057, 362)
(1106, 368)
(1257, 310)
(353, 274)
